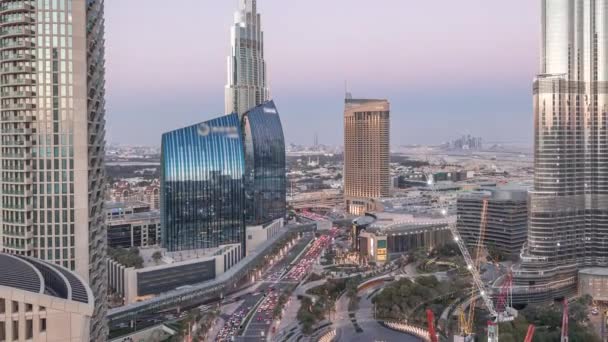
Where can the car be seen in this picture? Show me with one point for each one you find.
(595, 312)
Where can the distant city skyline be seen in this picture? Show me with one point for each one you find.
(477, 82)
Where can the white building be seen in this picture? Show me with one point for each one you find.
(246, 86)
(172, 271)
(42, 302)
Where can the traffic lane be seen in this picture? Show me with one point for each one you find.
(236, 322)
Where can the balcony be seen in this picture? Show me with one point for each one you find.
(15, 7)
(20, 223)
(18, 247)
(18, 118)
(16, 70)
(16, 57)
(16, 32)
(16, 143)
(17, 106)
(17, 94)
(16, 131)
(17, 82)
(17, 156)
(17, 193)
(17, 20)
(23, 235)
(16, 45)
(22, 207)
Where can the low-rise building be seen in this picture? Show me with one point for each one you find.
(256, 235)
(594, 282)
(164, 271)
(42, 302)
(132, 224)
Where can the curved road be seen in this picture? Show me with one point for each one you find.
(372, 331)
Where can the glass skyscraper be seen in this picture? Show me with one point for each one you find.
(221, 175)
(265, 181)
(202, 170)
(52, 137)
(246, 86)
(568, 224)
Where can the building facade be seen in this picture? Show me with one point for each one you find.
(202, 196)
(366, 153)
(172, 271)
(221, 175)
(568, 227)
(265, 174)
(43, 302)
(53, 137)
(132, 224)
(247, 85)
(506, 219)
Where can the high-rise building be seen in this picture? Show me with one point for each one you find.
(247, 85)
(202, 198)
(366, 153)
(265, 179)
(506, 219)
(52, 138)
(568, 227)
(221, 175)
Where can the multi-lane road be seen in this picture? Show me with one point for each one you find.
(271, 278)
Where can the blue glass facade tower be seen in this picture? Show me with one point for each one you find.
(265, 182)
(202, 196)
(221, 175)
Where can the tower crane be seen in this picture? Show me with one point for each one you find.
(473, 267)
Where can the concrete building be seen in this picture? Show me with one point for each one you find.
(247, 86)
(402, 233)
(132, 224)
(506, 219)
(568, 227)
(174, 270)
(594, 282)
(373, 247)
(52, 142)
(43, 302)
(366, 153)
(257, 235)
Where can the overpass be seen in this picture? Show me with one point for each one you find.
(217, 288)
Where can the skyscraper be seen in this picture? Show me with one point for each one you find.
(247, 85)
(52, 138)
(366, 153)
(202, 199)
(568, 224)
(221, 175)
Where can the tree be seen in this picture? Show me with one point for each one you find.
(156, 256)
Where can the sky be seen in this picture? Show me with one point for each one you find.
(447, 67)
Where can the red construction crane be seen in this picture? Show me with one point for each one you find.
(565, 322)
(430, 318)
(530, 334)
(503, 297)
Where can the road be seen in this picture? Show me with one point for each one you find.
(371, 329)
(249, 300)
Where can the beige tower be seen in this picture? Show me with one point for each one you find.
(366, 153)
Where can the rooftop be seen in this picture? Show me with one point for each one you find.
(37, 276)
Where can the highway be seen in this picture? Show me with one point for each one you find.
(270, 278)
